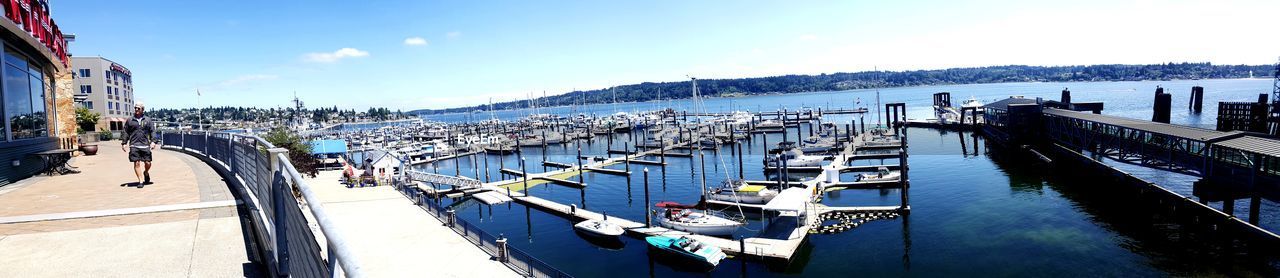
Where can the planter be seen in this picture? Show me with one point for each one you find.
(89, 149)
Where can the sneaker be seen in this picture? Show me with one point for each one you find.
(140, 185)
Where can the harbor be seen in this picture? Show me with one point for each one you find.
(583, 180)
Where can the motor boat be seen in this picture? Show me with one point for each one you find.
(688, 248)
(504, 148)
(770, 126)
(684, 218)
(972, 102)
(599, 228)
(738, 191)
(882, 174)
(792, 158)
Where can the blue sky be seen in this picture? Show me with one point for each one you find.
(439, 54)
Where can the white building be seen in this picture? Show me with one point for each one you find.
(104, 87)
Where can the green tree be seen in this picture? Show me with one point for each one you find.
(299, 150)
(86, 119)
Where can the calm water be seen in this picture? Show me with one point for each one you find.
(974, 211)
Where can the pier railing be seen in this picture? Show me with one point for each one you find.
(515, 258)
(270, 187)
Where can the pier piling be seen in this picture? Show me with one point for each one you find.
(647, 221)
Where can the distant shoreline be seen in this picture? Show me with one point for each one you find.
(849, 90)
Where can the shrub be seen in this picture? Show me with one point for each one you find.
(299, 150)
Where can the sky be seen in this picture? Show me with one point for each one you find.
(440, 54)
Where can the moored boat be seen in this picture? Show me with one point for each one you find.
(688, 248)
(684, 218)
(737, 191)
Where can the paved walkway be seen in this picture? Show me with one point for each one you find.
(396, 238)
(88, 224)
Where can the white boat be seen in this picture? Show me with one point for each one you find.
(972, 102)
(684, 218)
(599, 228)
(793, 158)
(737, 191)
(882, 174)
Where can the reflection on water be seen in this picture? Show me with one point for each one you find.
(975, 211)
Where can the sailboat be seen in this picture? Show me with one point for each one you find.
(683, 217)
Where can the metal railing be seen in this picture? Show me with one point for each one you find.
(516, 259)
(270, 187)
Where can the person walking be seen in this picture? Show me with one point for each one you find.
(138, 142)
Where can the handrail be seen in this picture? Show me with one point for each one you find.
(332, 232)
(340, 254)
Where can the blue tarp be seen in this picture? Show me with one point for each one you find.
(319, 147)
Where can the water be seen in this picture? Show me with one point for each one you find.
(1131, 99)
(974, 212)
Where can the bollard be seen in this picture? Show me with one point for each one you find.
(502, 248)
(573, 209)
(452, 216)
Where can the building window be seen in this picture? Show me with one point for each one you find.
(88, 105)
(86, 89)
(24, 98)
(84, 72)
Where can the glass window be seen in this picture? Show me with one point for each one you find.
(86, 89)
(88, 104)
(17, 96)
(39, 119)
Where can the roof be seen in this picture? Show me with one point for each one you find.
(1004, 103)
(1187, 132)
(328, 147)
(1263, 146)
(791, 199)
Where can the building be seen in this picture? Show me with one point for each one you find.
(38, 110)
(104, 87)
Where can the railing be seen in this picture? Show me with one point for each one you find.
(269, 185)
(494, 246)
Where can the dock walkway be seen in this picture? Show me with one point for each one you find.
(402, 237)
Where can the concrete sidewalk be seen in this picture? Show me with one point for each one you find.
(399, 238)
(87, 224)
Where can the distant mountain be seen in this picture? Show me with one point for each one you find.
(788, 84)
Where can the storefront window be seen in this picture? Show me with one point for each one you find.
(25, 95)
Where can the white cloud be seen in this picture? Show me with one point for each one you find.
(330, 57)
(414, 41)
(453, 35)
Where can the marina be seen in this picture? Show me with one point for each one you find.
(575, 204)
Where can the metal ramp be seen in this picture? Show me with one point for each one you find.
(459, 182)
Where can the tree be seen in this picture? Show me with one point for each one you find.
(299, 150)
(86, 119)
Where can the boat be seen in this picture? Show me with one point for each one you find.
(688, 248)
(599, 228)
(972, 102)
(882, 174)
(770, 126)
(501, 148)
(684, 218)
(792, 158)
(738, 191)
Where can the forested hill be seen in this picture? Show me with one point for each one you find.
(871, 79)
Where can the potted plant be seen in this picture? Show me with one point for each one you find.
(89, 149)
